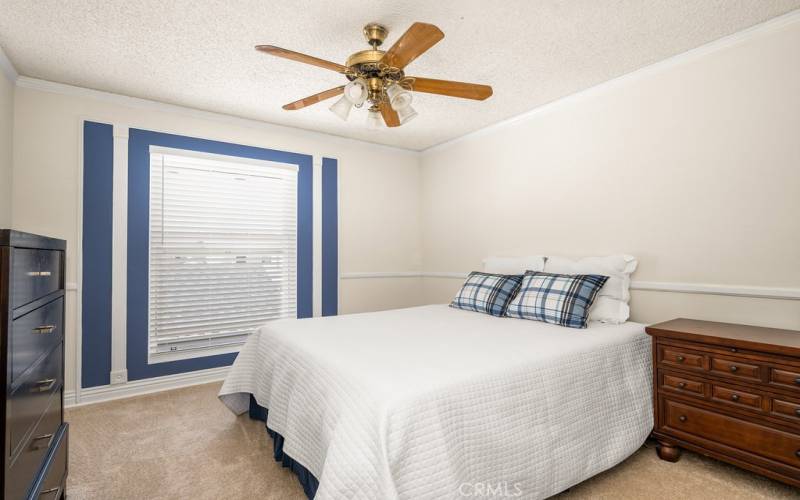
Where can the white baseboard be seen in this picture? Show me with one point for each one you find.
(147, 386)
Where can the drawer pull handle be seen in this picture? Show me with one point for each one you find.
(733, 349)
(735, 397)
(39, 274)
(44, 385)
(37, 439)
(734, 368)
(682, 418)
(797, 411)
(44, 329)
(681, 385)
(797, 453)
(56, 490)
(797, 381)
(680, 359)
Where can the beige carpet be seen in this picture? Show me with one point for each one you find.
(185, 444)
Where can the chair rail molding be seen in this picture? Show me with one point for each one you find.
(760, 292)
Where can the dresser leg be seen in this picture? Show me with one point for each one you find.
(668, 452)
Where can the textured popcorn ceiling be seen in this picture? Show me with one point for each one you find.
(200, 53)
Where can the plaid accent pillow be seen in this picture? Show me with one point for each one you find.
(487, 293)
(560, 299)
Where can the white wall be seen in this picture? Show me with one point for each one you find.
(6, 144)
(693, 166)
(379, 186)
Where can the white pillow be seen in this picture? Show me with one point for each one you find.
(513, 265)
(611, 303)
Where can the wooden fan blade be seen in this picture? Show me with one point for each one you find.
(389, 115)
(415, 41)
(452, 89)
(303, 58)
(313, 99)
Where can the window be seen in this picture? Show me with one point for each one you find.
(223, 251)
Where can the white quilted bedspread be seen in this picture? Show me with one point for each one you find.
(434, 402)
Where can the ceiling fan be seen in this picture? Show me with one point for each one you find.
(377, 78)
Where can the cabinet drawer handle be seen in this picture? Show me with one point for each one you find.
(797, 453)
(733, 349)
(734, 368)
(682, 418)
(44, 385)
(680, 359)
(735, 397)
(797, 411)
(48, 437)
(56, 490)
(44, 329)
(797, 381)
(39, 274)
(681, 385)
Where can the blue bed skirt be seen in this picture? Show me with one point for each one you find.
(307, 479)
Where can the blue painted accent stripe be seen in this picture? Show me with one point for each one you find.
(305, 238)
(98, 186)
(138, 241)
(330, 237)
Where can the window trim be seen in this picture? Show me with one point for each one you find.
(139, 145)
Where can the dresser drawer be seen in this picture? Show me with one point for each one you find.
(50, 484)
(26, 465)
(34, 274)
(730, 431)
(735, 368)
(781, 377)
(736, 397)
(787, 409)
(31, 398)
(33, 335)
(682, 384)
(677, 357)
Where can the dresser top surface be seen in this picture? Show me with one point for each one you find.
(14, 238)
(757, 338)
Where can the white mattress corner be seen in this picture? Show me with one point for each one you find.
(413, 403)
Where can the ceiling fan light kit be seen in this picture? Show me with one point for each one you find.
(342, 107)
(377, 77)
(374, 120)
(357, 91)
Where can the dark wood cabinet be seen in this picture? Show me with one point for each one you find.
(32, 350)
(731, 392)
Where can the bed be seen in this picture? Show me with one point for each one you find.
(436, 402)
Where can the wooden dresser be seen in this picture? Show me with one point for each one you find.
(32, 350)
(731, 392)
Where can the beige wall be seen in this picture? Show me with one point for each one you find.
(693, 167)
(379, 187)
(6, 146)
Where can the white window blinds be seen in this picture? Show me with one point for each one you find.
(223, 251)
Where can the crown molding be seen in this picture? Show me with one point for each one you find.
(723, 43)
(147, 104)
(761, 29)
(7, 68)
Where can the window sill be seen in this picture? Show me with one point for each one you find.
(166, 357)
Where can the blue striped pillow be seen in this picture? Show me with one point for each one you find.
(560, 299)
(487, 293)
